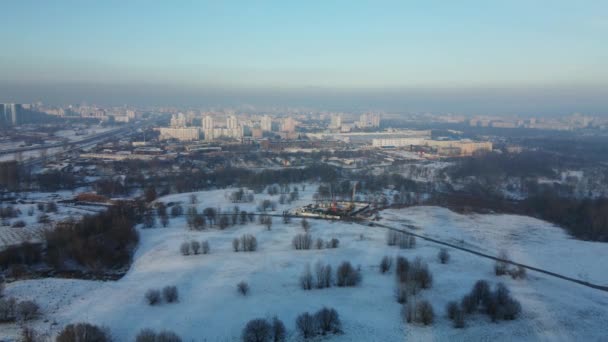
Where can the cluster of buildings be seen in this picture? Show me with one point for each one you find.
(574, 121)
(367, 120)
(454, 148)
(182, 127)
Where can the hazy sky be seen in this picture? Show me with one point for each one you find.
(346, 46)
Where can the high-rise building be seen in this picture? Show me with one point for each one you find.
(208, 122)
(178, 121)
(9, 114)
(232, 122)
(289, 125)
(369, 120)
(266, 123)
(336, 121)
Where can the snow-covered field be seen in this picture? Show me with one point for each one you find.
(525, 239)
(210, 309)
(33, 230)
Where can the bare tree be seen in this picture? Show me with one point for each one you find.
(302, 241)
(153, 296)
(328, 321)
(170, 294)
(195, 246)
(306, 279)
(243, 288)
(257, 330)
(501, 266)
(205, 247)
(236, 244)
(385, 264)
(305, 225)
(323, 275)
(306, 325)
(249, 243)
(319, 243)
(82, 332)
(146, 335)
(346, 275)
(444, 256)
(27, 310)
(185, 248)
(279, 333)
(333, 243)
(168, 336)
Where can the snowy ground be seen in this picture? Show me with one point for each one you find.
(210, 309)
(527, 240)
(33, 230)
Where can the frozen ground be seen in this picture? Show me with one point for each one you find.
(33, 230)
(210, 309)
(527, 240)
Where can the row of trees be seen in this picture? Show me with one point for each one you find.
(346, 276)
(497, 304)
(194, 247)
(169, 294)
(401, 239)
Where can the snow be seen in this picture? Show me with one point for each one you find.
(210, 309)
(527, 240)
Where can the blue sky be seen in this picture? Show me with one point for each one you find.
(307, 44)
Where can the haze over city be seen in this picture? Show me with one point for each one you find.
(515, 57)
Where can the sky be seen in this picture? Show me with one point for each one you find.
(485, 53)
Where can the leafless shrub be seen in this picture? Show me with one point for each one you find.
(306, 280)
(7, 309)
(243, 288)
(402, 292)
(83, 332)
(27, 310)
(346, 275)
(205, 247)
(185, 248)
(249, 243)
(518, 273)
(451, 309)
(30, 335)
(420, 312)
(385, 264)
(323, 275)
(306, 325)
(328, 321)
(319, 243)
(421, 274)
(195, 246)
(402, 269)
(302, 241)
(257, 330)
(444, 256)
(153, 296)
(146, 335)
(236, 244)
(333, 243)
(170, 294)
(167, 336)
(279, 333)
(501, 266)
